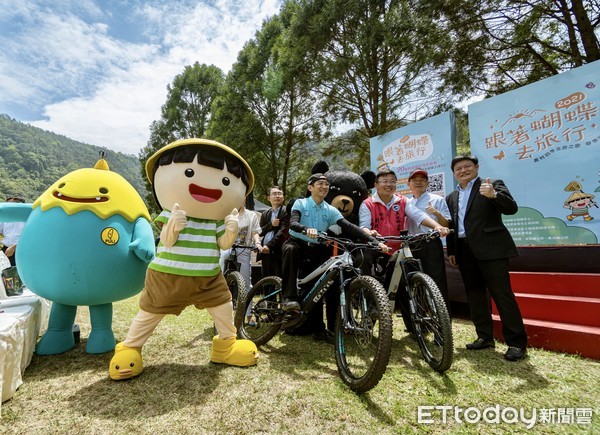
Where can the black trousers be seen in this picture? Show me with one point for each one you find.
(297, 256)
(271, 264)
(431, 254)
(481, 277)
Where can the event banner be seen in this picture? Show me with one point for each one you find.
(425, 144)
(543, 140)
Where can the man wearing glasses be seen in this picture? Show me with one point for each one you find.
(271, 233)
(386, 214)
(481, 246)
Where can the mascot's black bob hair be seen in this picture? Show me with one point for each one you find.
(206, 155)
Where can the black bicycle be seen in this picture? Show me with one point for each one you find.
(426, 306)
(231, 272)
(363, 328)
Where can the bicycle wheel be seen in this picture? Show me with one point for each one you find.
(260, 312)
(433, 327)
(363, 341)
(236, 283)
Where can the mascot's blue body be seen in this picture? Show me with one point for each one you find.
(87, 241)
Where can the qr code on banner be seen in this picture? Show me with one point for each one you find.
(436, 184)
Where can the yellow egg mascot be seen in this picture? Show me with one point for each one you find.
(87, 241)
(199, 184)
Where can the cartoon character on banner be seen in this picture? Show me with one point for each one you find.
(579, 202)
(199, 184)
(87, 241)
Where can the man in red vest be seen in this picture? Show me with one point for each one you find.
(385, 214)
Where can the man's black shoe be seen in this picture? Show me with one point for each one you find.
(290, 305)
(515, 353)
(480, 343)
(325, 335)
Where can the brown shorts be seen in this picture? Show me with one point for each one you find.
(165, 293)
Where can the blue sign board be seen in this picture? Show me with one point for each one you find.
(425, 144)
(543, 140)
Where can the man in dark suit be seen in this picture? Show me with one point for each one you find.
(272, 236)
(481, 246)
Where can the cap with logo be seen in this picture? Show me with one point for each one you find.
(316, 177)
(418, 171)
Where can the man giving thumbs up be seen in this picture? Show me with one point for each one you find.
(481, 246)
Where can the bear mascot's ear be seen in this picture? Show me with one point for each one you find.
(369, 178)
(320, 167)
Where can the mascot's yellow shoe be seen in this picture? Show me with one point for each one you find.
(242, 353)
(126, 363)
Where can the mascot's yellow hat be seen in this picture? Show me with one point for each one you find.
(151, 163)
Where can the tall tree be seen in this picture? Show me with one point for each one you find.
(367, 67)
(187, 111)
(492, 46)
(268, 110)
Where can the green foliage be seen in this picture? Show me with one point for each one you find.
(33, 159)
(494, 46)
(185, 114)
(267, 109)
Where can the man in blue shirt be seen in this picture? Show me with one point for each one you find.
(308, 217)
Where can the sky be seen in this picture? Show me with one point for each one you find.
(97, 71)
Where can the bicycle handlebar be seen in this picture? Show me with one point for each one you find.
(412, 237)
(346, 244)
(242, 247)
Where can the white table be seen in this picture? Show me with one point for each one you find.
(22, 320)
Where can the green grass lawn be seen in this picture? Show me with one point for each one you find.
(294, 389)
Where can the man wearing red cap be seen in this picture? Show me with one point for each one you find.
(385, 214)
(431, 253)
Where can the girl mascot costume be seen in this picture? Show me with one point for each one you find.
(199, 184)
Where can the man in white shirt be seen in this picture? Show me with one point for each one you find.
(431, 253)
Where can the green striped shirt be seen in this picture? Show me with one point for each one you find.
(195, 253)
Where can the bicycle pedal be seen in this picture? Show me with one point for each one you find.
(291, 320)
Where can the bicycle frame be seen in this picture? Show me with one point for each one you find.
(232, 264)
(401, 258)
(331, 269)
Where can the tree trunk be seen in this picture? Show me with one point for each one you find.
(586, 30)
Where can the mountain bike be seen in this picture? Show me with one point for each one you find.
(426, 306)
(363, 327)
(231, 271)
